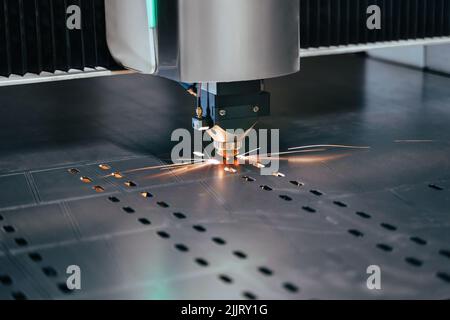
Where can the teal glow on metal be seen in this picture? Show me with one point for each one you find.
(152, 13)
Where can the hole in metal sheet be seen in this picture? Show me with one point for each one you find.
(74, 171)
(50, 272)
(356, 233)
(290, 287)
(9, 229)
(98, 189)
(128, 210)
(258, 165)
(340, 204)
(285, 197)
(86, 179)
(162, 204)
(202, 262)
(418, 241)
(64, 289)
(6, 280)
(104, 167)
(226, 279)
(146, 195)
(265, 271)
(230, 170)
(309, 209)
(384, 247)
(249, 295)
(179, 215)
(19, 295)
(219, 241)
(1, 218)
(248, 179)
(117, 175)
(145, 221)
(435, 187)
(163, 234)
(266, 188)
(279, 174)
(316, 193)
(130, 184)
(21, 242)
(445, 253)
(297, 183)
(363, 215)
(240, 254)
(181, 247)
(389, 227)
(114, 199)
(443, 276)
(199, 228)
(414, 261)
(34, 256)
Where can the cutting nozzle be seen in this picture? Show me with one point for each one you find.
(227, 143)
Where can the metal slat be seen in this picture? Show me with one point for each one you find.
(405, 14)
(335, 17)
(60, 51)
(15, 37)
(325, 26)
(33, 54)
(431, 17)
(447, 17)
(304, 23)
(75, 42)
(4, 56)
(88, 30)
(414, 12)
(103, 54)
(46, 35)
(440, 17)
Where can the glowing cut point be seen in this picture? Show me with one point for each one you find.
(104, 166)
(86, 179)
(117, 175)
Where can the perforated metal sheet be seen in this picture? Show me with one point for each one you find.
(209, 234)
(313, 246)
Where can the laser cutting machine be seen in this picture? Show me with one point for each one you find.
(84, 173)
(221, 51)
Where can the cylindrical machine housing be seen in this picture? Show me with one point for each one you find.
(237, 40)
(206, 40)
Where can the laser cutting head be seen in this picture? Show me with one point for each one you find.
(227, 143)
(226, 45)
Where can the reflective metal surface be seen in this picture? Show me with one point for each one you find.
(215, 235)
(222, 41)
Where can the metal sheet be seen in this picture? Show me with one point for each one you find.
(387, 206)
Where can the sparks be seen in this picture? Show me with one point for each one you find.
(329, 146)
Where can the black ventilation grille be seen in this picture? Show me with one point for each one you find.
(327, 23)
(34, 37)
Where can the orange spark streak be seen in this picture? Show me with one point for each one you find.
(329, 146)
(166, 166)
